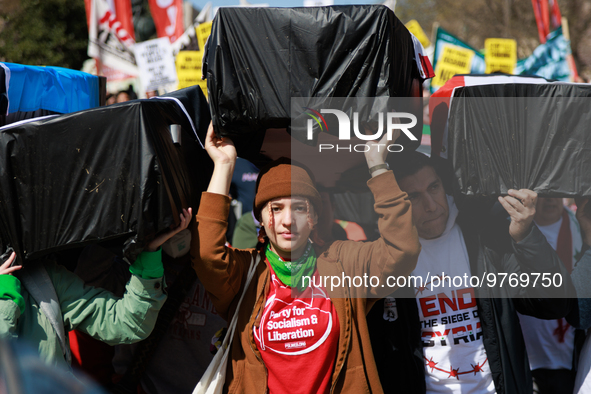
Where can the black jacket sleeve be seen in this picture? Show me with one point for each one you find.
(529, 272)
(580, 316)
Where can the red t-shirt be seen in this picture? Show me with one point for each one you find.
(298, 339)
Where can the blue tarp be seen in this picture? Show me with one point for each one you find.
(55, 89)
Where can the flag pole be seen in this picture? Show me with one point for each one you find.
(570, 58)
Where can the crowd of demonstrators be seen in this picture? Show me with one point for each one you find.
(455, 339)
(242, 187)
(551, 344)
(451, 339)
(23, 371)
(333, 348)
(242, 225)
(98, 266)
(152, 93)
(125, 95)
(182, 354)
(581, 318)
(91, 310)
(246, 231)
(172, 364)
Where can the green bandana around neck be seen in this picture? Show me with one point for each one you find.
(287, 271)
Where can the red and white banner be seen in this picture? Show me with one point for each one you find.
(112, 75)
(555, 15)
(168, 18)
(546, 11)
(108, 41)
(124, 14)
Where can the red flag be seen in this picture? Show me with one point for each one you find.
(544, 11)
(108, 41)
(555, 14)
(122, 13)
(88, 6)
(573, 68)
(125, 16)
(545, 16)
(168, 18)
(543, 30)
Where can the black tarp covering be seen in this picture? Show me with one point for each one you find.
(533, 136)
(100, 174)
(258, 58)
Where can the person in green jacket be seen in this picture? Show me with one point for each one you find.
(94, 311)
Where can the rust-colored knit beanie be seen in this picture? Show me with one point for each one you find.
(282, 179)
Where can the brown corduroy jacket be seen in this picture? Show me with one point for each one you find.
(223, 271)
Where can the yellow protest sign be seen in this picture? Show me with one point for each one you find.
(500, 55)
(416, 29)
(188, 69)
(453, 60)
(203, 31)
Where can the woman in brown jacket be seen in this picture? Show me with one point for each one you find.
(296, 331)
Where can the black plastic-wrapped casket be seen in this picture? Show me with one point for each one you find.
(513, 136)
(257, 59)
(99, 174)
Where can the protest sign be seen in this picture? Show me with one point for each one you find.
(203, 31)
(416, 29)
(549, 60)
(168, 18)
(188, 63)
(156, 63)
(108, 41)
(454, 60)
(188, 69)
(474, 63)
(500, 55)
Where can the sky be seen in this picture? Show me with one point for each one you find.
(274, 3)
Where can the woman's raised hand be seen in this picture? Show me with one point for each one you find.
(221, 150)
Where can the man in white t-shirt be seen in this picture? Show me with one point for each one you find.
(457, 338)
(550, 343)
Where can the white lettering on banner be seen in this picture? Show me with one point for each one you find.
(109, 21)
(286, 320)
(301, 333)
(171, 12)
(167, 16)
(108, 41)
(293, 322)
